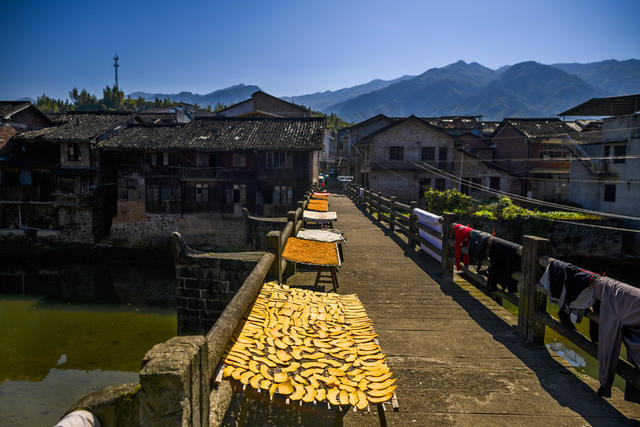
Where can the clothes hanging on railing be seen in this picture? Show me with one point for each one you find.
(570, 287)
(504, 262)
(478, 242)
(619, 321)
(462, 233)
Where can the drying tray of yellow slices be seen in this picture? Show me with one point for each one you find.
(311, 252)
(311, 347)
(318, 205)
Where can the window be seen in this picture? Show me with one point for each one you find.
(165, 158)
(154, 159)
(424, 183)
(607, 151)
(166, 194)
(128, 189)
(619, 151)
(153, 193)
(396, 153)
(73, 153)
(279, 160)
(202, 193)
(440, 184)
(553, 151)
(240, 193)
(239, 160)
(464, 186)
(66, 185)
(442, 153)
(494, 182)
(25, 178)
(610, 193)
(428, 154)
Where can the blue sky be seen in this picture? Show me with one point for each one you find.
(291, 47)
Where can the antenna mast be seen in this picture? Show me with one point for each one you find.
(115, 66)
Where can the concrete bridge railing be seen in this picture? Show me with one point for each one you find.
(531, 298)
(214, 291)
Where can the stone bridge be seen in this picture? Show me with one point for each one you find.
(459, 356)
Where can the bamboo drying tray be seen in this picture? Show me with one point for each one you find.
(311, 252)
(318, 205)
(310, 347)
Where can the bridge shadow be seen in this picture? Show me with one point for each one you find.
(250, 408)
(556, 379)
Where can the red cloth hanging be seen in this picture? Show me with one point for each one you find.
(462, 239)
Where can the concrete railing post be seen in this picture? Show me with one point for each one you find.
(274, 243)
(531, 301)
(379, 207)
(392, 209)
(413, 225)
(447, 236)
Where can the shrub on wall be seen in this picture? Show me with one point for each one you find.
(500, 208)
(448, 201)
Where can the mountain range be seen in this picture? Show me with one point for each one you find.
(227, 96)
(526, 89)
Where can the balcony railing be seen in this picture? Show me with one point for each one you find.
(217, 173)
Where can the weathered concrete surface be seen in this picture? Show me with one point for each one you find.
(456, 353)
(175, 383)
(114, 406)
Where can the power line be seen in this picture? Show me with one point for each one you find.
(522, 198)
(477, 202)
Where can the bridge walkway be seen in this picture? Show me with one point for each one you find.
(456, 352)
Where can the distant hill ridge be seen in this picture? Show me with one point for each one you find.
(226, 96)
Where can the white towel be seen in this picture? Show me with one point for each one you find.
(433, 222)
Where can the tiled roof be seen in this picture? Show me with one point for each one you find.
(540, 128)
(141, 137)
(231, 134)
(489, 128)
(454, 122)
(79, 126)
(156, 118)
(8, 108)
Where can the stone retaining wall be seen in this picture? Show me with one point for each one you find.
(212, 232)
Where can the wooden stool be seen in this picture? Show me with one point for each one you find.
(333, 277)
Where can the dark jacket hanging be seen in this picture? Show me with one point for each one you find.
(504, 261)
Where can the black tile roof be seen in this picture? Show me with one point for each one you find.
(8, 108)
(79, 126)
(540, 127)
(233, 134)
(609, 106)
(156, 118)
(141, 137)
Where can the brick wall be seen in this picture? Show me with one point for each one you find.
(205, 287)
(511, 144)
(130, 211)
(6, 132)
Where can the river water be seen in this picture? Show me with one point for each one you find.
(70, 330)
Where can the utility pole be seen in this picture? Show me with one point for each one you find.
(115, 66)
